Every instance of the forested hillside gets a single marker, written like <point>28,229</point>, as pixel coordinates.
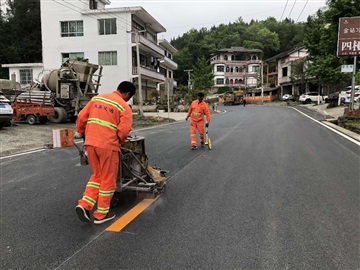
<point>270,36</point>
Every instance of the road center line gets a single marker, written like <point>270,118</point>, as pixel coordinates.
<point>118,225</point>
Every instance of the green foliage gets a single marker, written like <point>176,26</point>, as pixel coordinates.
<point>20,31</point>
<point>202,75</point>
<point>320,40</point>
<point>270,36</point>
<point>224,89</point>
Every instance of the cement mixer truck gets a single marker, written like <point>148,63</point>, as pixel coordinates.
<point>72,87</point>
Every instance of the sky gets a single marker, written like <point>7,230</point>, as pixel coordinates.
<point>179,16</point>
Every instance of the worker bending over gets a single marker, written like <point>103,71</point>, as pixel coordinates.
<point>106,122</point>
<point>197,110</point>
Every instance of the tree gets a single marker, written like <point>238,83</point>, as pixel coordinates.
<point>320,40</point>
<point>203,77</point>
<point>22,32</point>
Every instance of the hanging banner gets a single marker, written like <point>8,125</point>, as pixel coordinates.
<point>349,36</point>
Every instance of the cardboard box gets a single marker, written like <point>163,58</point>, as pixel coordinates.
<point>62,137</point>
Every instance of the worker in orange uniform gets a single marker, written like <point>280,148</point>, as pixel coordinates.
<point>106,122</point>
<point>196,112</point>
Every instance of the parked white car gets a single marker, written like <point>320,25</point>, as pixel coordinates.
<point>6,112</point>
<point>345,95</point>
<point>312,97</point>
<point>287,97</point>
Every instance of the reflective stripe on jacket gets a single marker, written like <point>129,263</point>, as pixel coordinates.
<point>198,110</point>
<point>106,121</point>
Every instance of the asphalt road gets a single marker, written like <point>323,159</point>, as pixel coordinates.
<point>277,191</point>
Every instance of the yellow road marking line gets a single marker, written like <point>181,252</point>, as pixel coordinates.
<point>118,225</point>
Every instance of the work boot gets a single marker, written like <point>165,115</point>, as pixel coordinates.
<point>108,217</point>
<point>193,147</point>
<point>83,214</point>
<point>202,144</point>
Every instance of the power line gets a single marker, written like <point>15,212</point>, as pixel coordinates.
<point>284,10</point>
<point>107,11</point>
<point>302,10</point>
<point>292,8</point>
<point>94,17</point>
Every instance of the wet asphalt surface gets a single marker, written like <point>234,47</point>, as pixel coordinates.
<point>277,191</point>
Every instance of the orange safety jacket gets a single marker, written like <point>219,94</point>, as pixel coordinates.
<point>198,110</point>
<point>106,121</point>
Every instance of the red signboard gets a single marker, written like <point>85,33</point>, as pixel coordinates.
<point>349,36</point>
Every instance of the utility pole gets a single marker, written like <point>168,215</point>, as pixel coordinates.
<point>262,84</point>
<point>189,80</point>
<point>137,39</point>
<point>353,86</point>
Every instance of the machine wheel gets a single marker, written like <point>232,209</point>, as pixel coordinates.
<point>43,120</point>
<point>31,119</point>
<point>209,144</point>
<point>115,199</point>
<point>60,115</point>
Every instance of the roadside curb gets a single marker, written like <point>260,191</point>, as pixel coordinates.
<point>345,131</point>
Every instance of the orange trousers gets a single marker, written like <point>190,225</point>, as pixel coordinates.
<point>199,126</point>
<point>102,183</point>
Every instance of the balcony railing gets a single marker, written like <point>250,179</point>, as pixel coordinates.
<point>168,63</point>
<point>156,76</point>
<point>149,45</point>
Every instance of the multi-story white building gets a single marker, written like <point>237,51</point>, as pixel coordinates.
<point>236,67</point>
<point>108,37</point>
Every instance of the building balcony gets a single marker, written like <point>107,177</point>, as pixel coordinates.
<point>235,62</point>
<point>168,63</point>
<point>284,80</point>
<point>150,74</point>
<point>148,46</point>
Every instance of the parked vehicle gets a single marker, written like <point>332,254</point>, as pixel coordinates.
<point>312,97</point>
<point>287,97</point>
<point>348,96</point>
<point>334,97</point>
<point>6,111</point>
<point>72,87</point>
<point>233,97</point>
<point>32,113</point>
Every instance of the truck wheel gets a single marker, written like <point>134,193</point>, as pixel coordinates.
<point>60,115</point>
<point>31,119</point>
<point>43,120</point>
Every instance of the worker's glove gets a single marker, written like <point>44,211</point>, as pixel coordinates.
<point>78,135</point>
<point>207,125</point>
<point>187,117</point>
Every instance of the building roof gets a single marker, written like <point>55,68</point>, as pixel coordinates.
<point>22,65</point>
<point>283,54</point>
<point>240,49</point>
<point>166,44</point>
<point>140,12</point>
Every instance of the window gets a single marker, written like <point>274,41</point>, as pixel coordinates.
<point>170,74</point>
<point>225,57</point>
<point>138,26</point>
<point>26,76</point>
<point>255,68</point>
<point>93,4</point>
<point>72,29</point>
<point>108,58</point>
<point>66,56</point>
<point>107,26</point>
<point>220,68</point>
<point>284,71</point>
<point>219,81</point>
